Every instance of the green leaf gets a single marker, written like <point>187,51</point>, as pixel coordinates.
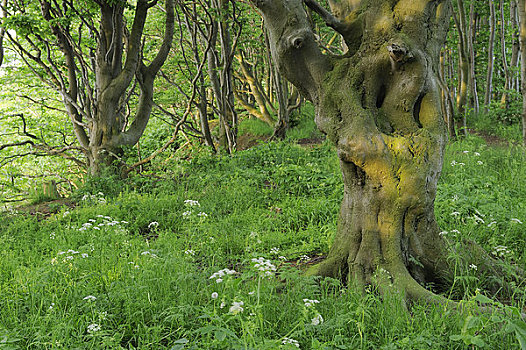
<point>179,344</point>
<point>477,340</point>
<point>220,335</point>
<point>520,332</point>
<point>483,299</point>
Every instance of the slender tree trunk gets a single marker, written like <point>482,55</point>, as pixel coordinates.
<point>473,73</point>
<point>515,49</point>
<point>507,87</point>
<point>463,64</point>
<point>491,58</point>
<point>522,38</point>
<point>447,104</point>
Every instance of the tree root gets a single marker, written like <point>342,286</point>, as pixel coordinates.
<point>396,279</point>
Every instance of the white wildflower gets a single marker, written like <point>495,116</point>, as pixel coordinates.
<point>477,154</point>
<point>54,261</point>
<point>480,162</point>
<point>214,295</point>
<point>317,320</point>
<point>189,252</point>
<point>192,203</point>
<point>202,214</point>
<point>84,255</point>
<point>274,251</point>
<point>51,306</point>
<point>473,267</point>
<point>90,298</point>
<point>52,235</point>
<point>443,233</point>
<point>223,304</point>
<point>291,341</point>
<point>221,273</point>
<point>237,307</point>
<point>187,214</point>
<point>264,266</point>
<point>310,302</point>
<point>455,231</point>
<point>93,328</point>
<point>303,258</point>
<point>465,152</point>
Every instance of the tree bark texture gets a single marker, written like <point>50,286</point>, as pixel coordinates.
<point>380,105</point>
<point>491,57</point>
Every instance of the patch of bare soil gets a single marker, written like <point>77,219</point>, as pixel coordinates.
<point>46,209</point>
<point>491,140</point>
<point>247,141</point>
<point>310,142</point>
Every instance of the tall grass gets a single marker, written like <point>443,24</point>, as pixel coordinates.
<point>151,266</point>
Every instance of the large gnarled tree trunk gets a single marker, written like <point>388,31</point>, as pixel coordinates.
<point>380,105</point>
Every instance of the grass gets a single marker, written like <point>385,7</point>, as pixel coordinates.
<point>131,268</point>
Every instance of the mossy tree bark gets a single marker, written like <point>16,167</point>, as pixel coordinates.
<point>380,105</point>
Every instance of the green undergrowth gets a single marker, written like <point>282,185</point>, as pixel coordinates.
<point>149,263</point>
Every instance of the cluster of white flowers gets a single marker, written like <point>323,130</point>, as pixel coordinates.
<point>149,253</point>
<point>189,252</point>
<point>454,163</point>
<point>52,235</point>
<point>188,214</point>
<point>473,267</point>
<point>264,266</point>
<point>501,251</point>
<point>303,258</point>
<point>291,341</point>
<point>318,319</point>
<point>274,251</point>
<point>93,328</point>
<point>236,308</point>
<point>68,255</point>
<point>107,221</point>
<point>192,203</point>
<point>218,276</point>
<point>94,198</point>
<point>310,302</point>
